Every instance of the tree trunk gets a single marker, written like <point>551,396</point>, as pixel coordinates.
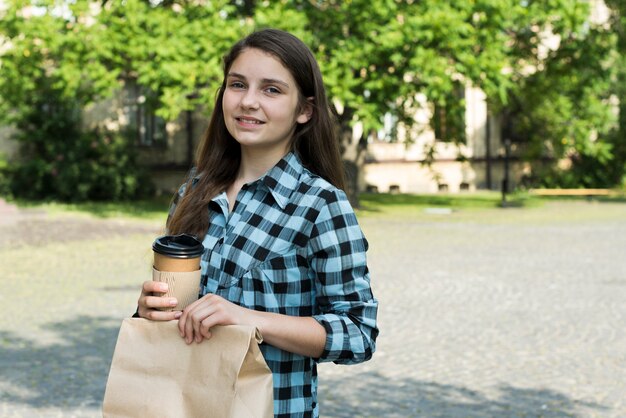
<point>353,150</point>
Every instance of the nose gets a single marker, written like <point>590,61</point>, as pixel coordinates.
<point>249,100</point>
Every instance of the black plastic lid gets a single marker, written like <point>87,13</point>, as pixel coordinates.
<point>178,246</point>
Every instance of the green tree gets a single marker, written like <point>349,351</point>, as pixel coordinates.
<point>617,170</point>
<point>49,53</point>
<point>60,56</point>
<point>376,56</point>
<point>174,49</point>
<point>560,104</point>
<point>50,69</point>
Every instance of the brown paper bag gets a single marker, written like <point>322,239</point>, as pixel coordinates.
<point>155,374</point>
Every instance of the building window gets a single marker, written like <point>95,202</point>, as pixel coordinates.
<point>143,123</point>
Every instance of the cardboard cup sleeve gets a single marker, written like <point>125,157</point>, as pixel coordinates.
<point>184,286</point>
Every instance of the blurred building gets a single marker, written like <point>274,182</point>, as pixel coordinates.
<point>430,157</point>
<point>421,161</point>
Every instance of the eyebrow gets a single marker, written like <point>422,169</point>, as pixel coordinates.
<point>264,80</point>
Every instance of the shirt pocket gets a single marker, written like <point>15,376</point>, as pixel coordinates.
<point>281,284</point>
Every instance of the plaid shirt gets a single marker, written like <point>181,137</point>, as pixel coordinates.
<point>292,246</point>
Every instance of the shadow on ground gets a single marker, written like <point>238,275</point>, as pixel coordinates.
<point>372,395</point>
<point>68,374</point>
<point>73,373</point>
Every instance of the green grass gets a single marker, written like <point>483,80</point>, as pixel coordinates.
<point>154,209</point>
<point>371,204</point>
<point>397,204</point>
<point>614,198</point>
<point>486,208</point>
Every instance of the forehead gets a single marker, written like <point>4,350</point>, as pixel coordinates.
<point>255,63</point>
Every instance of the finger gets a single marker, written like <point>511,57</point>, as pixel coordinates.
<point>185,323</point>
<point>184,318</point>
<point>181,324</point>
<point>155,315</point>
<point>194,321</point>
<point>157,302</point>
<point>196,317</point>
<point>188,327</point>
<point>204,318</point>
<point>151,286</point>
<point>205,327</point>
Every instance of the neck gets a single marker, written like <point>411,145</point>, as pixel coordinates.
<point>255,163</point>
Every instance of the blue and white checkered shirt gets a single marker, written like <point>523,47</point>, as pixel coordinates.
<point>292,246</point>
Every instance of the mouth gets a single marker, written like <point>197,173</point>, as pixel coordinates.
<point>248,120</point>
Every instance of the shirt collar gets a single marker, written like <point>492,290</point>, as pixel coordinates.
<point>283,179</point>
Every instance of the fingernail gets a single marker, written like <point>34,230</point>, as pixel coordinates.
<point>177,315</point>
<point>173,302</point>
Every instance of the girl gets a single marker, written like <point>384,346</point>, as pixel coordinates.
<point>283,250</point>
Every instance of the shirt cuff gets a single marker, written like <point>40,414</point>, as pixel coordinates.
<point>345,342</point>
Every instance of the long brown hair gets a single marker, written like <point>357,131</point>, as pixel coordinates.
<point>219,154</point>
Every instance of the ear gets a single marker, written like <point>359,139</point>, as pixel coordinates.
<point>306,112</point>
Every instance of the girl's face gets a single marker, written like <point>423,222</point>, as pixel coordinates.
<point>261,103</point>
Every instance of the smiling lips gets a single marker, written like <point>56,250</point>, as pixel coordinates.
<point>249,120</point>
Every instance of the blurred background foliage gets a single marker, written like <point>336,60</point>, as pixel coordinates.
<point>377,56</point>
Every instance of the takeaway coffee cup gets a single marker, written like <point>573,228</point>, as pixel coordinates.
<point>177,263</point>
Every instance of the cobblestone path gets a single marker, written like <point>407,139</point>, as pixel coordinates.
<point>506,313</point>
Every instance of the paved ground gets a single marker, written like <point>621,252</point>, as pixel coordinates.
<point>510,313</point>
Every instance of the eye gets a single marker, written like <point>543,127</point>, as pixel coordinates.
<point>272,90</point>
<point>238,85</point>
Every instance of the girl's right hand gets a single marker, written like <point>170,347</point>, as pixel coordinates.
<point>151,301</point>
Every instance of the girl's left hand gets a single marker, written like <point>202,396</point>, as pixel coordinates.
<point>198,318</point>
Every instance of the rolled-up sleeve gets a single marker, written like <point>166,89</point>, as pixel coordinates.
<point>347,306</point>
